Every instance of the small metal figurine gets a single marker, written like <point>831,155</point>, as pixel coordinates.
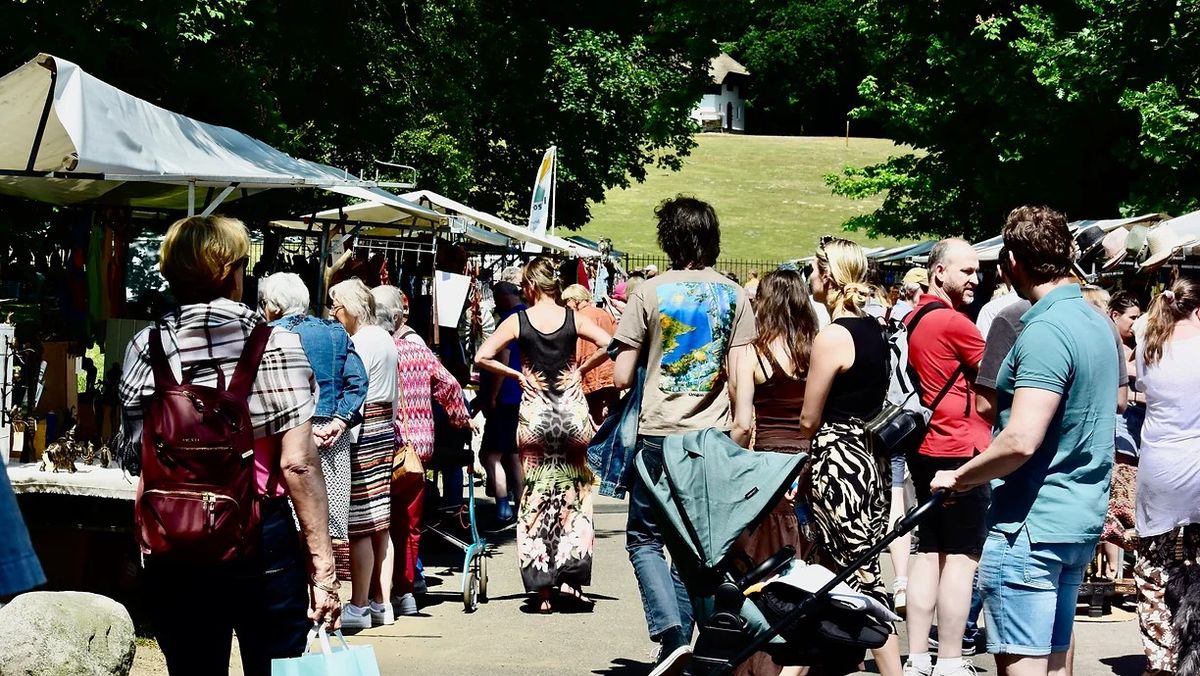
<point>89,454</point>
<point>62,453</point>
<point>104,456</point>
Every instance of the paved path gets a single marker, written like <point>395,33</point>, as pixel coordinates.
<point>503,638</point>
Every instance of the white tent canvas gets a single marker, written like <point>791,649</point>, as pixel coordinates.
<point>498,224</point>
<point>70,138</point>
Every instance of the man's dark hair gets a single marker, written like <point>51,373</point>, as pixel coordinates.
<point>688,232</point>
<point>1040,240</point>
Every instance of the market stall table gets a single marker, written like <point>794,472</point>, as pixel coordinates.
<point>81,525</point>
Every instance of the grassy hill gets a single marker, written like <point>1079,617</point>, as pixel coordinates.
<point>768,191</point>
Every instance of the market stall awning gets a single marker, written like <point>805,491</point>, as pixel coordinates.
<point>989,249</point>
<point>382,217</point>
<point>902,253</point>
<point>492,222</point>
<point>70,138</point>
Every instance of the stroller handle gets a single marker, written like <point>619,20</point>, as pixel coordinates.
<point>916,514</point>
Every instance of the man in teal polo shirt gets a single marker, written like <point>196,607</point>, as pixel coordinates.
<point>1052,456</point>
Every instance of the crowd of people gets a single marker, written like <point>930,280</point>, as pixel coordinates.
<point>1033,403</point>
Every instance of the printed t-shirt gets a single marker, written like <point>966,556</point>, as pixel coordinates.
<point>944,341</point>
<point>1060,494</point>
<point>685,322</point>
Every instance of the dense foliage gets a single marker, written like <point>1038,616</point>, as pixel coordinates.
<point>468,91</point>
<point>806,61</point>
<point>1087,105</point>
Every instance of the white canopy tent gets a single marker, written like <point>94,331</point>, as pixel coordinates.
<point>989,249</point>
<point>381,218</point>
<point>70,138</point>
<point>484,219</point>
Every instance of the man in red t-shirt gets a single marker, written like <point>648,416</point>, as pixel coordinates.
<point>944,349</point>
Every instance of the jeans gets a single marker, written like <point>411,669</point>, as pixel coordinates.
<point>1031,589</point>
<point>664,597</point>
<point>195,610</point>
<point>976,607</point>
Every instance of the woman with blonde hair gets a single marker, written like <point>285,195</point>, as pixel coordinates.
<point>555,531</point>
<point>598,387</point>
<point>371,455</point>
<point>271,597</point>
<point>1168,482</point>
<point>847,383</point>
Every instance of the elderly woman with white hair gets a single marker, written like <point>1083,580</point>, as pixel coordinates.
<point>342,380</point>
<point>422,380</point>
<point>371,555</point>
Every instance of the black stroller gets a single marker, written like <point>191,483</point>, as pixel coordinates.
<point>709,490</point>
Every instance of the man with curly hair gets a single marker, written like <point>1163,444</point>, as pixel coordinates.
<point>689,325</point>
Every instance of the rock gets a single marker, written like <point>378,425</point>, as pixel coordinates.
<point>65,633</point>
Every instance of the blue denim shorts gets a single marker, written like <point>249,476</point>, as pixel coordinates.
<point>1029,592</point>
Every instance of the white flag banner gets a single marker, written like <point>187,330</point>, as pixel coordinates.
<point>540,206</point>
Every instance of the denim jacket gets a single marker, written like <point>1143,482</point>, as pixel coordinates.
<point>339,372</point>
<point>610,452</point>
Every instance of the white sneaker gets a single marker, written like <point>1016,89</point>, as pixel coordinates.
<point>900,597</point>
<point>354,617</point>
<point>967,668</point>
<point>382,614</point>
<point>911,670</point>
<point>405,604</point>
<point>673,663</point>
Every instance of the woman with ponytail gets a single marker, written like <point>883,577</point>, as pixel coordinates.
<point>1168,482</point>
<point>847,382</point>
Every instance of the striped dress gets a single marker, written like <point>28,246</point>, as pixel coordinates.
<point>375,446</point>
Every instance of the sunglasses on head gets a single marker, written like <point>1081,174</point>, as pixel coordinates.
<point>830,239</point>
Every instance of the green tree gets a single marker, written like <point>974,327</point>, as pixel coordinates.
<point>1087,105</point>
<point>471,92</point>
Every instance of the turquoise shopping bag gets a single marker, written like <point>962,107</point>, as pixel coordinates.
<point>343,660</point>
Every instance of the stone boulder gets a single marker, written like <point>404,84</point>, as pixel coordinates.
<point>65,633</point>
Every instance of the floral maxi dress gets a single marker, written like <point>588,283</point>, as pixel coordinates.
<point>555,531</point>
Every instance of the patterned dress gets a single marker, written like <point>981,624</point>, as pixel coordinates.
<point>555,531</point>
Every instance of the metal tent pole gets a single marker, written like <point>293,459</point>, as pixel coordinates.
<point>319,299</point>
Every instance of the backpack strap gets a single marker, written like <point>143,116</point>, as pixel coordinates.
<point>247,367</point>
<point>163,378</point>
<point>912,324</point>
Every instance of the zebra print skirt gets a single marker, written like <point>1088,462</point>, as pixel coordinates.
<point>850,502</point>
<point>371,471</point>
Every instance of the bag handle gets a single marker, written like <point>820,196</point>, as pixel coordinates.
<point>318,632</point>
<point>247,366</point>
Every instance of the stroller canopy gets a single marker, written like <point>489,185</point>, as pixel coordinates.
<point>711,489</point>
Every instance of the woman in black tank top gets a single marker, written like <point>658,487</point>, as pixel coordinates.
<point>555,530</point>
<point>847,382</point>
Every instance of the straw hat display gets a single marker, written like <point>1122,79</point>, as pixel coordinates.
<point>1113,245</point>
<point>1089,241</point>
<point>1163,242</point>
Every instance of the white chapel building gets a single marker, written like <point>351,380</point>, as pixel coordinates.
<point>722,108</point>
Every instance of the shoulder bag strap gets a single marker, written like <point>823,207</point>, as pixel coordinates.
<point>247,367</point>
